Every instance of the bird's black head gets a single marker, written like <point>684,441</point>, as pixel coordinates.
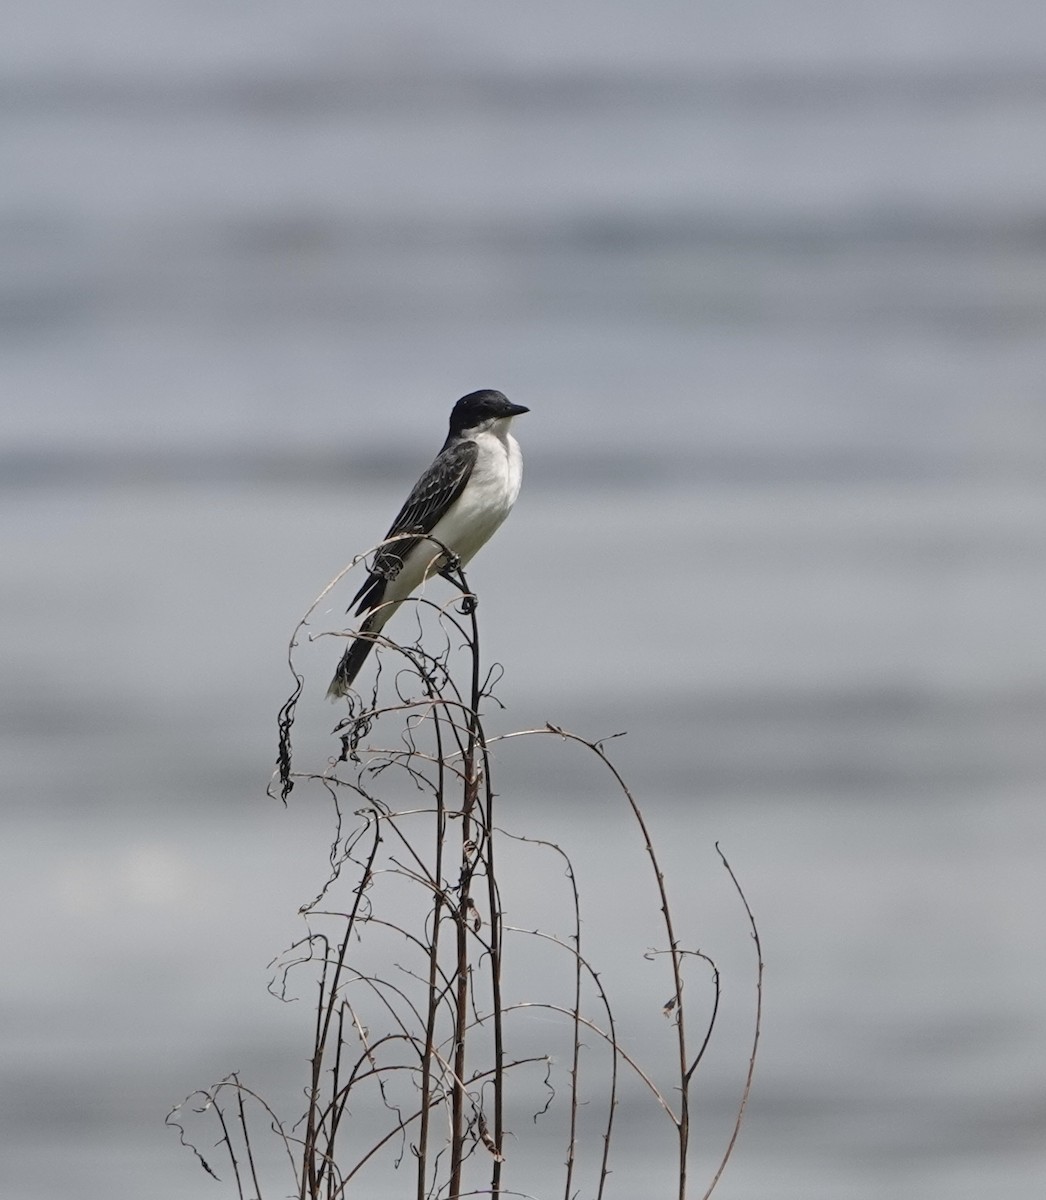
<point>479,410</point>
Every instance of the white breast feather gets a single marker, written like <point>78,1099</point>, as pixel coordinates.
<point>488,497</point>
<point>471,520</point>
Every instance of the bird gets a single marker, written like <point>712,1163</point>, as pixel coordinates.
<point>456,505</point>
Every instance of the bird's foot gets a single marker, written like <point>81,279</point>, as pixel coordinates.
<point>451,572</point>
<point>451,567</point>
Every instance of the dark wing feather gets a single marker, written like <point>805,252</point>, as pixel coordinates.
<point>432,495</point>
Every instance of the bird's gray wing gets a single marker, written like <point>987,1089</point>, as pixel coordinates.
<point>430,498</point>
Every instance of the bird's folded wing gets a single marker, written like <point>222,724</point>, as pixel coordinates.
<point>432,495</point>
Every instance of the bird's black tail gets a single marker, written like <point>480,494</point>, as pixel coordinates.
<point>353,659</point>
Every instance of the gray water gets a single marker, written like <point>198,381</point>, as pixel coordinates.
<point>772,279</point>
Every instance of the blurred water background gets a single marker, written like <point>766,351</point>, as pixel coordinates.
<point>772,279</point>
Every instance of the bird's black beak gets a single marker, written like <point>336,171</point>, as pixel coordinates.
<point>515,410</point>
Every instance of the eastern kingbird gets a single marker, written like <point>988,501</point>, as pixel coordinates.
<point>460,500</point>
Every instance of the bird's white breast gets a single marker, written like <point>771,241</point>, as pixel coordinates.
<point>488,496</point>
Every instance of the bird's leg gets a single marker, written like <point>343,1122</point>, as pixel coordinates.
<point>451,563</point>
<point>451,571</point>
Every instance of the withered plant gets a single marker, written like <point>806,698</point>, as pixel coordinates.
<point>431,1057</point>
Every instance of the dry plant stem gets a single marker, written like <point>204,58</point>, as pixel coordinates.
<point>286,715</point>
<point>494,949</point>
<point>310,1178</point>
<point>548,1006</point>
<point>405,1122</point>
<point>427,1008</point>
<point>683,1119</point>
<point>469,854</point>
<point>580,966</point>
<point>232,1151</point>
<point>285,719</point>
<point>461,981</point>
<point>212,1100</point>
<point>755,1035</point>
<point>434,971</point>
<point>247,1143</point>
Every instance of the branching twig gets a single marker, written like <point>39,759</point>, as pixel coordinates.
<point>424,1042</point>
